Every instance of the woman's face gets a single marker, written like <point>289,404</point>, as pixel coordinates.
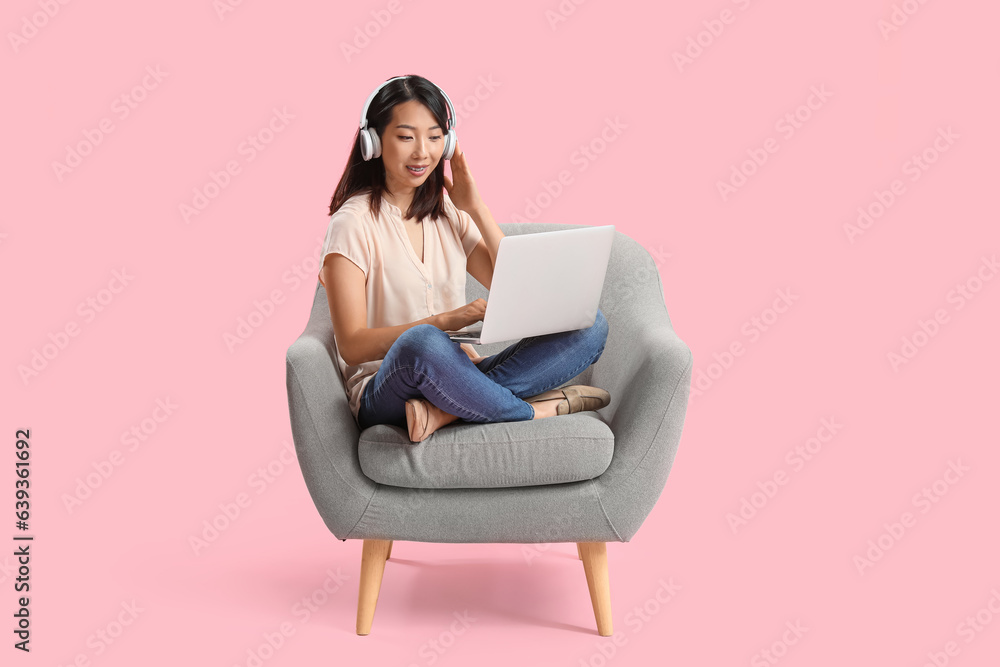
<point>413,138</point>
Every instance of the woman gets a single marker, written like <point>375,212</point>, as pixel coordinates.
<point>401,237</point>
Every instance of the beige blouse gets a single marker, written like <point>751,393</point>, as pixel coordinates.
<point>399,288</point>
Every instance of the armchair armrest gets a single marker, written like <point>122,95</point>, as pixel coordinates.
<point>325,433</point>
<point>647,369</point>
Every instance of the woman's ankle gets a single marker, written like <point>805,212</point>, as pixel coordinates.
<point>438,416</point>
<point>544,409</point>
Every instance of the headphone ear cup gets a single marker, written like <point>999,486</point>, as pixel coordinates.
<point>450,141</point>
<point>371,147</point>
<point>365,143</point>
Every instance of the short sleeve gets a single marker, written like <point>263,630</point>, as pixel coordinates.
<point>469,231</point>
<point>347,236</point>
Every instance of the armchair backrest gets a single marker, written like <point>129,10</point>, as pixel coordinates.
<point>632,282</point>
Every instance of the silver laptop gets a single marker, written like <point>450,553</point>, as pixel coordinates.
<point>543,283</point>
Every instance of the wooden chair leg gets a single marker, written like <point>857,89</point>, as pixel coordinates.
<point>595,566</point>
<point>579,552</point>
<point>373,556</point>
<point>389,551</point>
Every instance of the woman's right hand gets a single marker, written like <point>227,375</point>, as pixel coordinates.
<point>457,319</point>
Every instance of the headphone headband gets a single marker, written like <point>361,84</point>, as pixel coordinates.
<point>451,107</point>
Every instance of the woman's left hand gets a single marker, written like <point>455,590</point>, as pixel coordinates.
<point>463,191</point>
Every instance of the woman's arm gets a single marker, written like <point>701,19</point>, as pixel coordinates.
<point>349,312</point>
<point>490,231</point>
<point>465,196</point>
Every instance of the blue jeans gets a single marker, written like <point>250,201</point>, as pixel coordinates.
<point>425,363</point>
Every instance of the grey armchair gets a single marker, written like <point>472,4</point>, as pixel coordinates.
<point>590,477</point>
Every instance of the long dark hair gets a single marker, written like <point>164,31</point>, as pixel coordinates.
<point>361,176</point>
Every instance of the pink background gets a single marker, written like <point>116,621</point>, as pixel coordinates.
<point>553,88</point>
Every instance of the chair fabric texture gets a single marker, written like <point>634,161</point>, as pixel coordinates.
<point>467,455</point>
<point>586,477</point>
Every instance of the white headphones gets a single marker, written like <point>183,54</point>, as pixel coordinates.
<point>371,147</point>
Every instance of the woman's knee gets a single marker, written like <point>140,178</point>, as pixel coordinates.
<point>421,339</point>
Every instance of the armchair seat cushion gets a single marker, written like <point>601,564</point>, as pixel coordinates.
<point>464,455</point>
